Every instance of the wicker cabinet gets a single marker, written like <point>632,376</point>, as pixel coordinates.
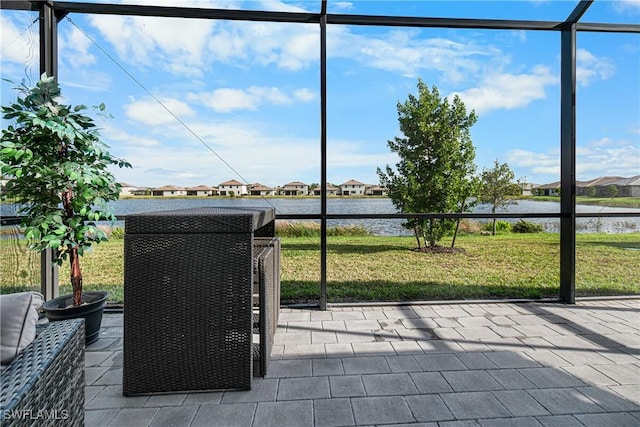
<point>190,310</point>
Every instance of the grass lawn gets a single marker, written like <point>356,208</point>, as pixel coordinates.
<point>371,268</point>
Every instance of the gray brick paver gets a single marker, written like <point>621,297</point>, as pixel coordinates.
<point>381,410</point>
<point>174,416</point>
<point>510,422</point>
<point>583,372</point>
<point>559,401</point>
<point>550,378</point>
<point>365,365</point>
<point>473,405</point>
<point>303,388</point>
<point>439,362</point>
<point>235,414</point>
<point>100,417</point>
<point>520,403</point>
<point>325,367</point>
<point>284,414</point>
<point>620,419</point>
<point>429,408</point>
<point>430,382</point>
<point>611,402</point>
<point>388,385</point>
<point>559,421</point>
<point>471,381</point>
<point>346,386</point>
<point>333,412</point>
<point>134,417</point>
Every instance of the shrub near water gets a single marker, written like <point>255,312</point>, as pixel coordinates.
<point>312,229</point>
<point>523,226</point>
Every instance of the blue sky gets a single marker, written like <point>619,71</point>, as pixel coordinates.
<point>247,95</point>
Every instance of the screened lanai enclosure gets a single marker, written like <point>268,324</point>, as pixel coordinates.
<point>283,94</point>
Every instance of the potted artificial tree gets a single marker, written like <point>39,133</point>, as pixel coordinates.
<point>58,175</point>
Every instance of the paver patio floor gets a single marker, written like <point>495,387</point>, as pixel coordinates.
<point>485,364</point>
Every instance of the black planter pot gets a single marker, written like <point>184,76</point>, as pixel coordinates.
<point>91,310</point>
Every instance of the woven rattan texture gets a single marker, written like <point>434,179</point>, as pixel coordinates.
<point>44,384</point>
<point>187,318</point>
<point>264,277</point>
<point>201,220</point>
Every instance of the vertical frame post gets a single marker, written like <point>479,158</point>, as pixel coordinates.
<point>568,165</point>
<point>323,157</point>
<point>48,64</point>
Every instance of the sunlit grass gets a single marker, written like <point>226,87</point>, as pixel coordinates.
<point>370,268</point>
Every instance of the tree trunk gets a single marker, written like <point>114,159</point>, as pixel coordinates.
<point>76,276</point>
<point>493,228</point>
<point>415,231</point>
<point>455,233</point>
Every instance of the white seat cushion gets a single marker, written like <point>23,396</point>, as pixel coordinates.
<point>18,318</point>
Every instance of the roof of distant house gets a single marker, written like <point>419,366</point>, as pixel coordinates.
<point>199,188</point>
<point>168,188</point>
<point>352,182</point>
<point>231,182</point>
<point>259,187</point>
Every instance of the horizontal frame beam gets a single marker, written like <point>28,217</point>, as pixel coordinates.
<point>313,18</point>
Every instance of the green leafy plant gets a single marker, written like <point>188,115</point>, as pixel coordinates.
<point>499,226</point>
<point>58,173</point>
<point>436,161</point>
<point>523,226</point>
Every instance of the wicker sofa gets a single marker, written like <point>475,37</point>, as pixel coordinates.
<point>44,384</point>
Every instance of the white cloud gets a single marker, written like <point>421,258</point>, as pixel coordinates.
<point>117,134</point>
<point>409,53</point>
<point>508,91</point>
<point>598,158</point>
<point>590,67</point>
<point>341,5</point>
<point>304,94</point>
<point>626,6</point>
<point>288,46</point>
<point>225,100</point>
<point>173,44</point>
<point>149,112</point>
<point>74,47</point>
<point>19,45</point>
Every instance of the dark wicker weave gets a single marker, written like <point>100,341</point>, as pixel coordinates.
<point>264,321</point>
<point>44,384</point>
<point>188,299</point>
<point>267,289</point>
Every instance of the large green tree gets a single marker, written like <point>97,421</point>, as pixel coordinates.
<point>436,166</point>
<point>498,188</point>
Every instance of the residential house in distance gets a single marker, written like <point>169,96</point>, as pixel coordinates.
<point>628,187</point>
<point>331,190</point>
<point>527,188</point>
<point>258,189</point>
<point>142,191</point>
<point>604,186</point>
<point>233,188</point>
<point>598,187</point>
<point>375,190</point>
<point>127,189</point>
<point>352,188</point>
<point>552,189</point>
<point>168,191</point>
<point>295,188</point>
<point>200,190</point>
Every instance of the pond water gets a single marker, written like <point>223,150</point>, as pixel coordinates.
<point>388,227</point>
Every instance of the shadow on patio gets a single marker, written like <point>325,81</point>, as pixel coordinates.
<point>481,364</point>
